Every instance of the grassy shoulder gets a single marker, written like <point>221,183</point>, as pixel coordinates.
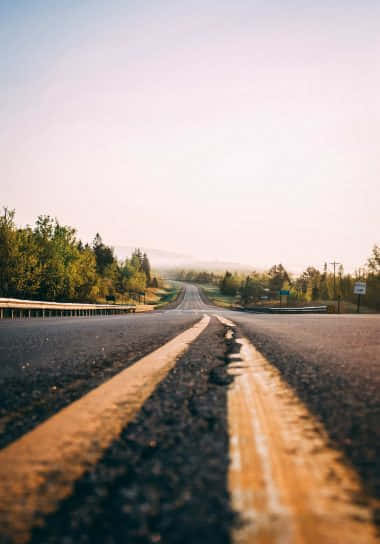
<point>165,295</point>
<point>213,293</point>
<point>155,297</point>
<point>345,307</point>
<point>216,297</point>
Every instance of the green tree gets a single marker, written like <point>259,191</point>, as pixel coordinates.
<point>372,297</point>
<point>251,290</point>
<point>323,283</point>
<point>229,284</point>
<point>277,276</point>
<point>137,259</point>
<point>9,255</point>
<point>103,254</point>
<point>145,266</point>
<point>374,261</point>
<point>311,279</point>
<point>48,262</point>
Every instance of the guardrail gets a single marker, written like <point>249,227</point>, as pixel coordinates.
<point>18,308</point>
<point>288,310</point>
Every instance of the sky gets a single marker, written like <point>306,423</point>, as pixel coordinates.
<point>244,131</point>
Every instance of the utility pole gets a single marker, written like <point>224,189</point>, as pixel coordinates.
<point>334,265</point>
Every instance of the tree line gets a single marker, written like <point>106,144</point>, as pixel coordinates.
<point>311,285</point>
<point>48,262</point>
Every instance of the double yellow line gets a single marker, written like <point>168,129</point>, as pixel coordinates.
<point>285,481</point>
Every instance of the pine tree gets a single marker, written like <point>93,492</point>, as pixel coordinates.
<point>103,254</point>
<point>146,268</point>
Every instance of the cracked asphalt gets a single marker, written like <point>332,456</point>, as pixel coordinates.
<point>165,479</point>
<point>333,364</point>
<point>46,365</point>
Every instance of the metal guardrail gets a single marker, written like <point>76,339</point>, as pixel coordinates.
<point>14,307</point>
<point>289,310</point>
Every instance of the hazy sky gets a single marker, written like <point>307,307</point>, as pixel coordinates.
<point>246,131</point>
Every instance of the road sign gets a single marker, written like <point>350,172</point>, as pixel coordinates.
<point>360,288</point>
<point>284,292</point>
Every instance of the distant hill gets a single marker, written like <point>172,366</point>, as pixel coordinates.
<point>167,260</point>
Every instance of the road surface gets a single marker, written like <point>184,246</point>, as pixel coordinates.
<point>164,476</point>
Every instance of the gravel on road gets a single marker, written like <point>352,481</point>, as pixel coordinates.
<point>333,364</point>
<point>46,365</point>
<point>165,479</point>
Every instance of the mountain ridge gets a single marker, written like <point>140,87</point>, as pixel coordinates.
<point>163,259</point>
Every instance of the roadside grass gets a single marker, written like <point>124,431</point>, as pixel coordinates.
<point>155,297</point>
<point>346,307</point>
<point>214,295</point>
<point>166,295</point>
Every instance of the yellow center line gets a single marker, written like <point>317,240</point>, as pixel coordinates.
<point>38,470</point>
<point>225,321</point>
<point>286,482</point>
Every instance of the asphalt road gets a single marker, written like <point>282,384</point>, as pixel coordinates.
<point>46,364</point>
<point>169,467</point>
<point>333,363</point>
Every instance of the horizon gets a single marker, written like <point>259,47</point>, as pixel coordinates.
<point>188,261</point>
<point>229,132</point>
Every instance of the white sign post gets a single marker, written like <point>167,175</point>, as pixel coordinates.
<point>360,288</point>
